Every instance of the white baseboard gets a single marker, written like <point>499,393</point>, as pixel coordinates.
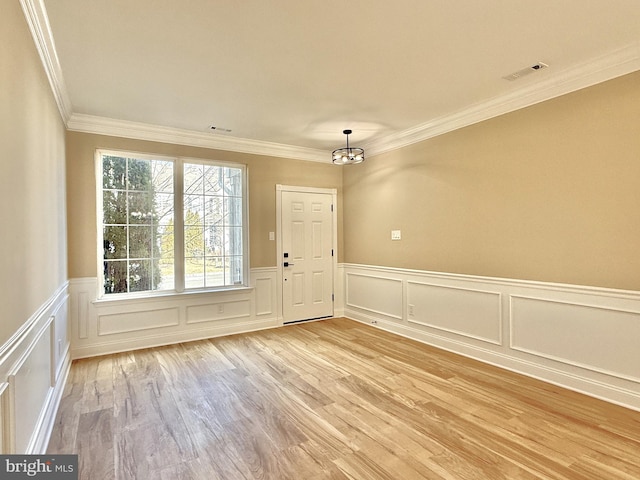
<point>159,339</point>
<point>580,338</point>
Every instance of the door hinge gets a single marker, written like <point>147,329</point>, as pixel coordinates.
<point>332,252</point>
<point>333,298</point>
<point>332,207</point>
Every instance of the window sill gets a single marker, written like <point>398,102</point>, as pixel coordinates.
<point>121,299</point>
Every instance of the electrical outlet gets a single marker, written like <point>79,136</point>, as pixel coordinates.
<point>220,308</point>
<point>411,310</point>
<point>396,235</point>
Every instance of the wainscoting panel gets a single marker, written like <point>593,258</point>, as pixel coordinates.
<point>4,400</point>
<point>215,312</point>
<point>374,294</point>
<point>264,302</point>
<point>263,281</point>
<point>34,365</point>
<point>581,338</point>
<point>29,387</point>
<point>115,325</point>
<point>151,319</point>
<point>471,313</point>
<point>59,338</point>
<point>598,338</point>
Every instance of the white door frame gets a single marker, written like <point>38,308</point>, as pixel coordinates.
<point>279,253</point>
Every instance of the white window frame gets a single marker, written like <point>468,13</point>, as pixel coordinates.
<point>178,220</point>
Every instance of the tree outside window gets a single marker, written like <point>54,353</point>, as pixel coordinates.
<point>139,225</point>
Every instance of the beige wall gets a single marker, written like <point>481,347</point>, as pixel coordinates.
<point>264,173</point>
<point>548,193</point>
<point>32,180</point>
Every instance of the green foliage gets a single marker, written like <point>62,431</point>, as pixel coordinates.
<point>131,239</point>
<point>193,235</point>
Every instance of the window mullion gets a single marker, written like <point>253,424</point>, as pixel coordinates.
<point>178,230</point>
<point>128,227</point>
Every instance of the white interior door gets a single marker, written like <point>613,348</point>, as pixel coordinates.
<point>307,255</point>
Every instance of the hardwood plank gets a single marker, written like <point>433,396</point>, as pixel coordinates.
<point>333,399</point>
<point>190,470</point>
<point>95,434</point>
<point>65,428</point>
<point>98,393</point>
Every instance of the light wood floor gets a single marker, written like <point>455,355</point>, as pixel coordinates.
<point>331,400</point>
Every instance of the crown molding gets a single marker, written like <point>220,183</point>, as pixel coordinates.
<point>142,131</point>
<point>606,67</point>
<point>36,16</point>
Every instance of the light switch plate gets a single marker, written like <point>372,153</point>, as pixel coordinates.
<point>272,235</point>
<point>396,235</point>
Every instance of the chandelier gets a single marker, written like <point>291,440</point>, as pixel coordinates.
<point>347,155</point>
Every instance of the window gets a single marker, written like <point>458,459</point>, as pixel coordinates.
<point>171,224</point>
<point>212,225</point>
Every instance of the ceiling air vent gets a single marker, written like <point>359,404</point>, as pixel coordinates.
<point>525,71</point>
<point>215,128</point>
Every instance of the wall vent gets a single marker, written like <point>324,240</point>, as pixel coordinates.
<point>526,71</point>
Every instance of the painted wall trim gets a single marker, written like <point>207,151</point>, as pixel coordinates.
<point>551,286</point>
<point>601,69</point>
<point>166,319</point>
<point>34,365</point>
<point>155,133</point>
<point>577,337</point>
<point>36,16</point>
<point>47,421</point>
<point>606,67</point>
<point>11,344</point>
<point>577,77</point>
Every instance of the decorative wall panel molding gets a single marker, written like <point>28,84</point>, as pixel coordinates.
<point>108,326</point>
<point>34,365</point>
<point>339,291</point>
<point>219,311</point>
<point>29,387</point>
<point>4,400</point>
<point>595,337</point>
<point>59,338</point>
<point>578,337</point>
<point>264,293</point>
<point>375,294</point>
<point>134,321</point>
<point>469,312</point>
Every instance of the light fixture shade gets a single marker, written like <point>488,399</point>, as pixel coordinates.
<point>347,155</point>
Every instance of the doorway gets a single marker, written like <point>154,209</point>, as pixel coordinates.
<point>306,250</point>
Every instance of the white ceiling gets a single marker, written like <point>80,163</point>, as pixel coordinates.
<point>298,72</point>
